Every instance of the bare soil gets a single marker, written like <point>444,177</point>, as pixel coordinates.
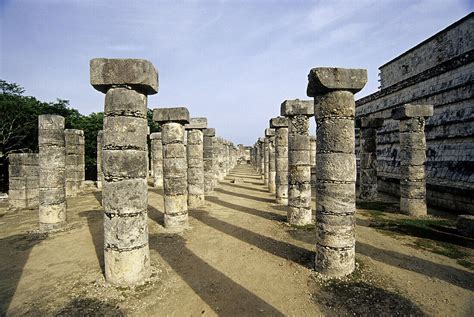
<point>238,258</point>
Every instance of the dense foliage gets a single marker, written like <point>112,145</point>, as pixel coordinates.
<point>19,124</point>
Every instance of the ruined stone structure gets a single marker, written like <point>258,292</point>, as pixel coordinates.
<point>298,113</point>
<point>438,71</point>
<point>280,124</point>
<point>100,175</point>
<point>195,157</point>
<point>261,158</point>
<point>270,135</point>
<point>333,91</point>
<point>126,84</point>
<point>412,157</point>
<point>313,160</point>
<point>208,159</point>
<point>75,161</point>
<point>52,176</point>
<point>156,159</point>
<point>368,156</point>
<point>23,180</point>
<point>266,160</point>
<point>175,165</point>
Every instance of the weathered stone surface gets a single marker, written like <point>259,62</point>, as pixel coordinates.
<point>335,231</point>
<point>297,107</point>
<point>157,159</point>
<point>412,111</point>
<point>338,167</point>
<point>125,232</point>
<point>178,115</point>
<point>128,196</point>
<point>281,161</point>
<point>465,225</point>
<point>23,187</point>
<point>195,170</point>
<point>335,198</point>
<point>100,144</point>
<point>75,161</point>
<point>269,132</point>
<point>172,132</point>
<point>326,79</point>
<point>336,135</point>
<point>335,262</point>
<point>138,74</point>
<point>196,123</point>
<point>123,102</point>
<point>127,267</point>
<point>209,132</point>
<point>336,104</point>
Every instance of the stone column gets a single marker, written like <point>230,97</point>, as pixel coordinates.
<point>23,180</point>
<point>175,176</point>
<point>100,175</point>
<point>266,160</point>
<point>126,84</point>
<point>412,157</point>
<point>368,156</point>
<point>270,137</point>
<point>195,156</point>
<point>75,161</point>
<point>156,159</point>
<point>52,164</point>
<point>208,158</point>
<point>261,142</point>
<point>280,124</point>
<point>333,91</point>
<point>298,113</point>
<point>313,160</point>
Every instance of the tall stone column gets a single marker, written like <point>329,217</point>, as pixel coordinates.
<point>208,158</point>
<point>175,176</point>
<point>368,156</point>
<point>100,175</point>
<point>126,84</point>
<point>298,113</point>
<point>280,124</point>
<point>412,157</point>
<point>195,156</point>
<point>333,91</point>
<point>313,160</point>
<point>270,136</point>
<point>266,160</point>
<point>23,180</point>
<point>75,161</point>
<point>156,159</point>
<point>261,142</point>
<point>52,177</point>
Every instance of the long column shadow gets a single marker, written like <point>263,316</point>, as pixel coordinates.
<point>221,293</point>
<point>446,273</point>
<point>262,199</point>
<point>156,215</point>
<point>14,253</point>
<point>256,212</point>
<point>247,188</point>
<point>282,249</point>
<point>95,224</point>
<point>244,175</point>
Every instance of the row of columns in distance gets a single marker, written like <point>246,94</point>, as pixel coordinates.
<point>335,172</point>
<point>190,168</point>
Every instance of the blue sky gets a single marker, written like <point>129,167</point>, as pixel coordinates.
<point>233,62</point>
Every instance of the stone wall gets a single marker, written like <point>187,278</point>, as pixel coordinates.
<point>446,84</point>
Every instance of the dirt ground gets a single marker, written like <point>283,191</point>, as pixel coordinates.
<point>238,258</point>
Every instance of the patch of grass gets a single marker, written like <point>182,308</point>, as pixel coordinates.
<point>466,264</point>
<point>308,227</point>
<point>446,249</point>
<point>376,206</point>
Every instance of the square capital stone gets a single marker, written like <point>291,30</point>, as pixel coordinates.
<point>408,111</point>
<point>297,107</point>
<point>178,115</point>
<point>155,135</point>
<point>139,74</point>
<point>210,132</point>
<point>269,132</point>
<point>322,80</point>
<point>196,124</point>
<point>261,139</point>
<point>279,122</point>
<point>369,122</point>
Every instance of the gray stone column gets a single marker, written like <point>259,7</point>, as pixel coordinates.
<point>412,157</point>
<point>126,84</point>
<point>156,159</point>
<point>23,175</point>
<point>75,161</point>
<point>100,175</point>
<point>270,139</point>
<point>266,160</point>
<point>52,177</point>
<point>280,124</point>
<point>333,91</point>
<point>175,176</point>
<point>208,158</point>
<point>298,113</point>
<point>368,156</point>
<point>313,160</point>
<point>195,156</point>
